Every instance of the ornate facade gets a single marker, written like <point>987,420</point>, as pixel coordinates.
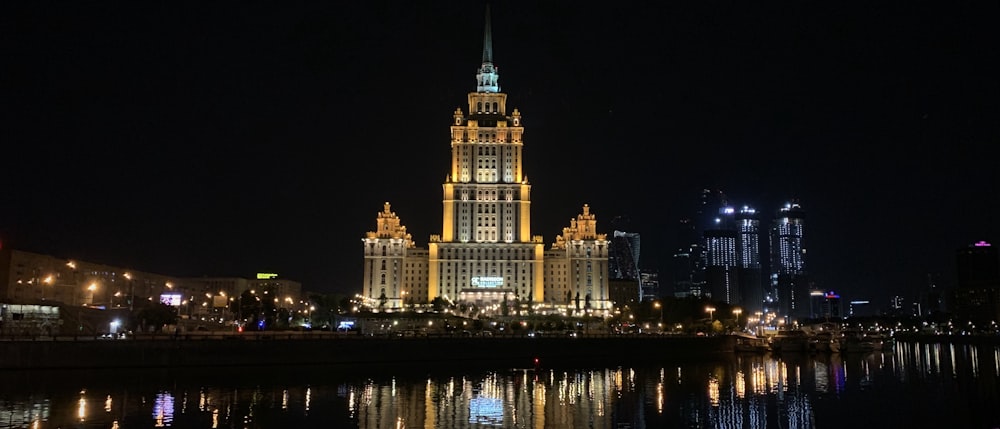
<point>485,256</point>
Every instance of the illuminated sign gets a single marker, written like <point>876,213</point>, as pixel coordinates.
<point>266,276</point>
<point>487,281</point>
<point>982,244</point>
<point>171,299</point>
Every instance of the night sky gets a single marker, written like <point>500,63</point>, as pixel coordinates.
<point>229,138</point>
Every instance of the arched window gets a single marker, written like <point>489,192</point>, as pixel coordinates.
<point>479,106</point>
<point>495,107</point>
<point>383,264</point>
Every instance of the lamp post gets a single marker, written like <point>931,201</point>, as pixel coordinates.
<point>92,288</point>
<point>131,291</point>
<point>47,281</point>
<point>736,312</point>
<point>659,306</point>
<point>711,313</point>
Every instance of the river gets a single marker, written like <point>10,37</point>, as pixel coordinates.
<point>912,385</point>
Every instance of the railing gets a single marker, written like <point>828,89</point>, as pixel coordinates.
<point>320,335</point>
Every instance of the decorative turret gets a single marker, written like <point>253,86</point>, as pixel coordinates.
<point>584,227</point>
<point>389,226</point>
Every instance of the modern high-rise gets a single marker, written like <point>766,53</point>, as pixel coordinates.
<point>691,258</point>
<point>623,256</point>
<point>485,256</point>
<point>722,257</point>
<point>788,266</point>
<point>749,270</point>
<point>977,295</point>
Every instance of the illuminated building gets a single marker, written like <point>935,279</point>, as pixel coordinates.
<point>788,267</point>
<point>720,247</point>
<point>485,256</point>
<point>825,305</point>
<point>748,272</point>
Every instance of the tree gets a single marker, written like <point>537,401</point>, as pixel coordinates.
<point>157,315</point>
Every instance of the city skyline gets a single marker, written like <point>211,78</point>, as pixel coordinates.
<point>216,140</point>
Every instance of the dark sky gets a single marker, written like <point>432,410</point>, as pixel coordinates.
<point>226,138</point>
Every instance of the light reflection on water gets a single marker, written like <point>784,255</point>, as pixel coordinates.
<point>914,384</point>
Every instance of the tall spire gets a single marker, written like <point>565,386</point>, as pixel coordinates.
<point>487,40</point>
<point>488,78</point>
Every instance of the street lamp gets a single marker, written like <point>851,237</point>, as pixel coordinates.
<point>657,305</point>
<point>711,313</point>
<point>92,288</point>
<point>47,281</point>
<point>131,290</point>
<point>736,312</point>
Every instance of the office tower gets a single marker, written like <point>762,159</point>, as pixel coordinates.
<point>748,272</point>
<point>649,284</point>
<point>825,305</point>
<point>788,265</point>
<point>690,260</point>
<point>623,251</point>
<point>485,255</point>
<point>722,257</point>
<point>977,295</point>
<point>687,274</point>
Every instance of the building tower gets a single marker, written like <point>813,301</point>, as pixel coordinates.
<point>390,260</point>
<point>788,276</point>
<point>749,274</point>
<point>722,257</point>
<point>691,258</point>
<point>485,251</point>
<point>977,295</point>
<point>485,257</point>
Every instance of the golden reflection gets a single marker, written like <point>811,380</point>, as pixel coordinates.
<point>215,418</point>
<point>660,398</point>
<point>284,399</point>
<point>538,406</point>
<point>616,376</point>
<point>81,411</point>
<point>107,404</point>
<point>308,397</point>
<point>713,391</point>
<point>741,385</point>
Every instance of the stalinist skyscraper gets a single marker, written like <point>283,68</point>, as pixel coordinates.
<point>485,256</point>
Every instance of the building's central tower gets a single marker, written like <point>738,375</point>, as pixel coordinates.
<point>485,252</point>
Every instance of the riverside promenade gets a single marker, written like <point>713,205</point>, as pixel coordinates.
<point>311,348</point>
